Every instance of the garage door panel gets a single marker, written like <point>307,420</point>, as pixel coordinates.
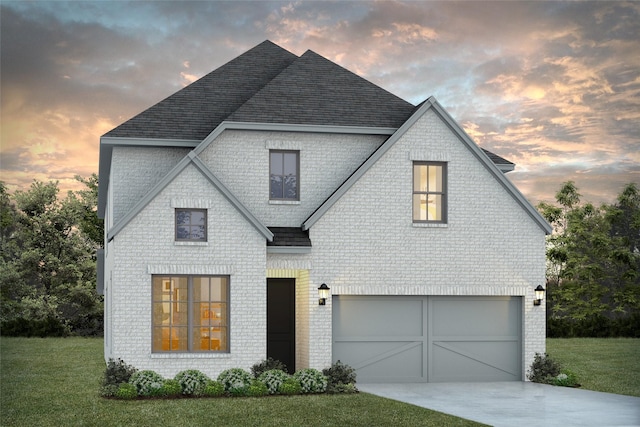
<point>474,361</point>
<point>477,316</point>
<point>375,316</point>
<point>422,338</point>
<point>471,364</point>
<point>385,361</point>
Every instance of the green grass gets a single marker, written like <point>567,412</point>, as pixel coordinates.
<point>611,365</point>
<point>55,382</point>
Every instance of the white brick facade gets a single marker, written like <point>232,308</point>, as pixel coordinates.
<point>365,244</point>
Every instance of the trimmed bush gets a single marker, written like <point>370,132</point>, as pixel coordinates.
<point>214,389</point>
<point>273,379</point>
<point>170,388</point>
<point>257,389</point>
<point>116,373</point>
<point>192,382</point>
<point>235,379</point>
<point>267,365</point>
<point>290,386</point>
<point>126,391</point>
<point>147,383</point>
<point>339,376</point>
<point>543,369</point>
<point>311,380</point>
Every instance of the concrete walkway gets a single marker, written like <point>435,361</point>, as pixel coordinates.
<point>520,404</point>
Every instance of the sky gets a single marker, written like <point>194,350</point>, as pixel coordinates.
<point>552,86</point>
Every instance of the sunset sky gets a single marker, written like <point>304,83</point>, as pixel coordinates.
<point>552,86</point>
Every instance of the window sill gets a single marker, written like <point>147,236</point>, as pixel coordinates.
<point>191,243</point>
<point>284,202</point>
<point>430,225</point>
<point>190,355</point>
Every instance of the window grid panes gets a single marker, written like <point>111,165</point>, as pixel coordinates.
<point>191,225</point>
<point>429,192</point>
<point>284,167</point>
<point>190,314</point>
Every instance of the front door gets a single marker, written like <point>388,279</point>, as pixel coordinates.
<point>281,321</point>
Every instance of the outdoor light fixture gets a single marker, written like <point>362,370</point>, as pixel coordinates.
<point>539,295</point>
<point>323,291</point>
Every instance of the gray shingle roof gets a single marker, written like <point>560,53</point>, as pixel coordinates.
<point>497,159</point>
<point>289,236</point>
<point>316,91</point>
<point>194,111</point>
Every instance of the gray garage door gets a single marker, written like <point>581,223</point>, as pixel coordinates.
<point>428,339</point>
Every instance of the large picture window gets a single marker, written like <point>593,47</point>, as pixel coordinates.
<point>284,171</point>
<point>190,314</point>
<point>429,192</point>
<point>191,225</point>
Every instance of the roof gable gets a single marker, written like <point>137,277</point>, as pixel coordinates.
<point>316,91</point>
<point>190,159</point>
<point>479,153</point>
<point>194,111</point>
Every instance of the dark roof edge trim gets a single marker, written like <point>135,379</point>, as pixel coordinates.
<point>149,142</point>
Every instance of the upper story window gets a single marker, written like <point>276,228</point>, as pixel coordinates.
<point>191,225</point>
<point>284,172</point>
<point>430,192</point>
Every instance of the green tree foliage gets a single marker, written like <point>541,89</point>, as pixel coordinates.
<point>48,264</point>
<point>593,260</point>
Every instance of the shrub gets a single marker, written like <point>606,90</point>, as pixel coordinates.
<point>126,391</point>
<point>543,369</point>
<point>170,388</point>
<point>338,376</point>
<point>235,379</point>
<point>311,380</point>
<point>290,386</point>
<point>566,379</point>
<point>257,389</point>
<point>116,373</point>
<point>192,382</point>
<point>273,379</point>
<point>213,389</point>
<point>267,365</point>
<point>147,383</point>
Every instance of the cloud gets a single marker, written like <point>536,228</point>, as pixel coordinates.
<point>552,86</point>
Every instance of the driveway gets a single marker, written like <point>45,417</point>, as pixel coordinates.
<point>521,404</point>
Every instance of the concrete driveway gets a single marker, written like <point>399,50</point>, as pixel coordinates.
<point>520,404</point>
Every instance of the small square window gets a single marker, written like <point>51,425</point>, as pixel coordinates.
<point>284,172</point>
<point>191,225</point>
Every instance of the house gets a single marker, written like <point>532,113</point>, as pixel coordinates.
<point>230,203</point>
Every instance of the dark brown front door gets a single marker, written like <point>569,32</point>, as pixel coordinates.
<point>281,324</point>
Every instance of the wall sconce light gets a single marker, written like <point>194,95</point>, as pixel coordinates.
<point>323,291</point>
<point>539,295</point>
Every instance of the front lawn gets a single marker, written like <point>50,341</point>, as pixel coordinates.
<point>55,382</point>
<point>611,365</point>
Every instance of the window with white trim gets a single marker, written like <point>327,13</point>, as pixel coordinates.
<point>430,192</point>
<point>284,172</point>
<point>190,314</point>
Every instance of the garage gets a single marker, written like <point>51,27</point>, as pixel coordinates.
<point>429,338</point>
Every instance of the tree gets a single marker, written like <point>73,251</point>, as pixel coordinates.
<point>47,273</point>
<point>593,262</point>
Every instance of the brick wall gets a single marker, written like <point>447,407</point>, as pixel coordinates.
<point>365,244</point>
